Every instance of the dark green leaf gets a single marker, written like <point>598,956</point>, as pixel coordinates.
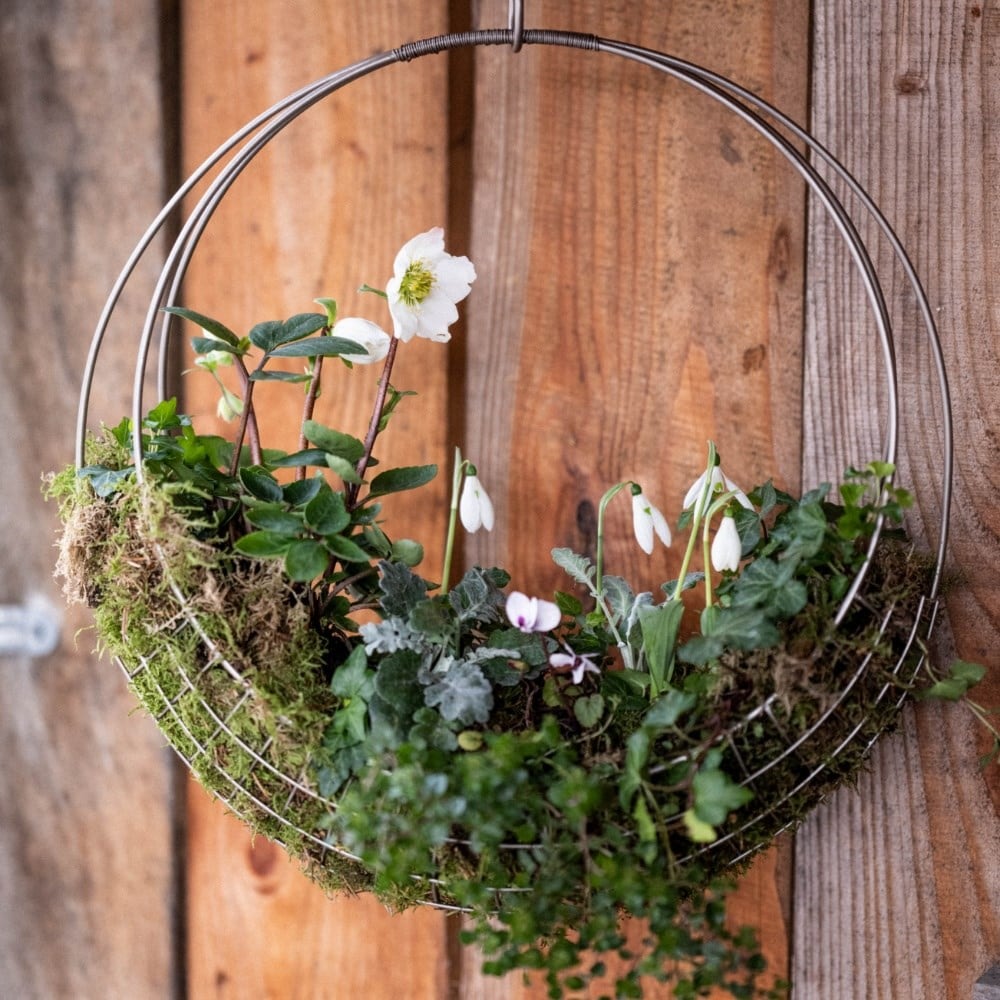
<point>301,491</point>
<point>305,560</point>
<point>335,442</point>
<point>276,376</point>
<point>405,478</point>
<point>301,325</point>
<point>212,326</point>
<point>343,468</point>
<point>262,544</point>
<point>346,550</point>
<point>203,345</point>
<point>261,484</point>
<point>326,513</point>
<point>308,456</point>
<point>272,517</point>
<point>318,347</point>
<point>265,335</point>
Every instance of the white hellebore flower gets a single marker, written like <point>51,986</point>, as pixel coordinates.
<point>720,482</point>
<point>475,507</point>
<point>531,614</point>
<point>580,664</point>
<point>727,549</point>
<point>647,519</point>
<point>369,335</point>
<point>425,285</point>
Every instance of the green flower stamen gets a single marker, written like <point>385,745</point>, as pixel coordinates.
<point>416,284</point>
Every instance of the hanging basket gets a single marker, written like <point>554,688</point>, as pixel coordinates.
<point>247,707</point>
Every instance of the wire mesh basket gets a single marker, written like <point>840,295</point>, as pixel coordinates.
<point>212,690</point>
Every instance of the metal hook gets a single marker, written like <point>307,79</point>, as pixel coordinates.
<point>515,21</point>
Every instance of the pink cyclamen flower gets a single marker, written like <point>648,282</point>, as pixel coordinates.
<point>579,663</point>
<point>727,549</point>
<point>531,614</point>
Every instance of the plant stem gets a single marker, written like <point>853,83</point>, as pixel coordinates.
<point>373,425</point>
<point>248,422</point>
<point>307,408</point>
<point>699,507</point>
<point>457,477</point>
<point>599,555</point>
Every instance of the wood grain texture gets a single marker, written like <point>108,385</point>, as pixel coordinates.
<point>87,873</point>
<point>322,211</point>
<point>640,258</point>
<point>898,884</point>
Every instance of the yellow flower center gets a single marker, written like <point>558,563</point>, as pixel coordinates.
<point>416,284</point>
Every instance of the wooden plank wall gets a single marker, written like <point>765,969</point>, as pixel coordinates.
<point>898,885</point>
<point>87,862</point>
<point>642,263</point>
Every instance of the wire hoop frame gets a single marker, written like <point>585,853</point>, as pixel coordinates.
<point>817,167</point>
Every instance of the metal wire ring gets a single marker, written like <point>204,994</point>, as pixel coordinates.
<point>776,128</point>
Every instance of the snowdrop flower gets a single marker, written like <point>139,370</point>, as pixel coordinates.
<point>369,335</point>
<point>475,507</point>
<point>727,549</point>
<point>229,406</point>
<point>425,285</point>
<point>720,482</point>
<point>531,614</point>
<point>647,519</point>
<point>580,664</point>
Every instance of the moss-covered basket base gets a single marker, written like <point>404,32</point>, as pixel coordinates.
<point>221,653</point>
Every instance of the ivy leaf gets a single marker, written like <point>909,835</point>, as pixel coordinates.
<point>463,694</point>
<point>716,795</point>
<point>588,710</point>
<point>105,482</point>
<point>769,584</point>
<point>352,679</point>
<point>404,478</point>
<point>697,829</point>
<point>962,676</point>
<point>666,710</point>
